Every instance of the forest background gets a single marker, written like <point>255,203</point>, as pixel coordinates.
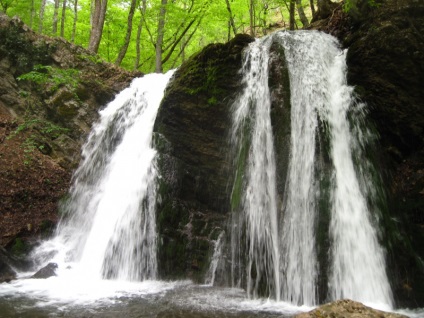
<point>157,35</point>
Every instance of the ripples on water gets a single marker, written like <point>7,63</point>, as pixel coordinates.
<point>52,298</point>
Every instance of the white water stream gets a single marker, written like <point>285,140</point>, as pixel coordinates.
<point>252,121</point>
<point>359,269</point>
<point>286,254</point>
<point>110,231</point>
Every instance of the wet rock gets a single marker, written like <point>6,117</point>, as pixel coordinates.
<point>347,309</point>
<point>47,271</point>
<point>6,271</point>
<point>191,135</point>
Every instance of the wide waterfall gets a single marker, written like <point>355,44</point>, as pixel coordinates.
<point>109,228</point>
<point>283,243</point>
<point>277,231</point>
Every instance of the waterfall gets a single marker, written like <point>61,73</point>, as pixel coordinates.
<point>358,261</point>
<point>217,253</point>
<point>252,124</point>
<point>279,240</point>
<point>109,227</point>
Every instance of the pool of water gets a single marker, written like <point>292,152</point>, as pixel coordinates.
<point>56,298</point>
<point>68,296</point>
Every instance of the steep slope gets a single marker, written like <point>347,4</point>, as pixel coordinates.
<point>50,92</point>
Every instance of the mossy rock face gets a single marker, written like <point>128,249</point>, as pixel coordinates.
<point>191,133</point>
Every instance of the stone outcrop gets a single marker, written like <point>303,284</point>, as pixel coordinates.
<point>43,124</point>
<point>191,135</point>
<point>347,309</point>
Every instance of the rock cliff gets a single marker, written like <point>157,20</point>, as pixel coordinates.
<point>191,136</point>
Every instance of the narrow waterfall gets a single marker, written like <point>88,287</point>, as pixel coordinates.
<point>252,135</point>
<point>359,270</point>
<point>109,228</point>
<point>279,239</point>
<point>307,62</point>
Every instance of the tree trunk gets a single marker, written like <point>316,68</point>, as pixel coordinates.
<point>74,25</point>
<point>62,21</point>
<point>98,20</point>
<point>124,47</point>
<point>161,33</point>
<point>5,4</point>
<point>40,24</point>
<point>233,26</point>
<point>291,10</point>
<point>312,7</point>
<point>301,13</point>
<point>31,19</point>
<point>252,17</point>
<point>55,15</point>
<point>140,27</point>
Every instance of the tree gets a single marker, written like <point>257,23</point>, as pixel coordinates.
<point>301,13</point>
<point>124,47</point>
<point>138,37</point>
<point>32,13</point>
<point>167,31</point>
<point>252,13</point>
<point>231,18</point>
<point>62,22</point>
<point>55,15</point>
<point>161,33</point>
<point>74,24</point>
<point>292,18</point>
<point>311,2</point>
<point>97,23</point>
<point>5,4</point>
<point>40,23</point>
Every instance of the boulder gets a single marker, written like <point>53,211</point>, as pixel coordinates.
<point>47,271</point>
<point>347,309</point>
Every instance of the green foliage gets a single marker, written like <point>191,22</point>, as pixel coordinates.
<point>92,58</point>
<point>52,77</point>
<point>210,25</point>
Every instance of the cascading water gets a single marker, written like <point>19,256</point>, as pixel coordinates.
<point>109,230</point>
<point>358,261</point>
<point>280,240</point>
<point>252,134</point>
